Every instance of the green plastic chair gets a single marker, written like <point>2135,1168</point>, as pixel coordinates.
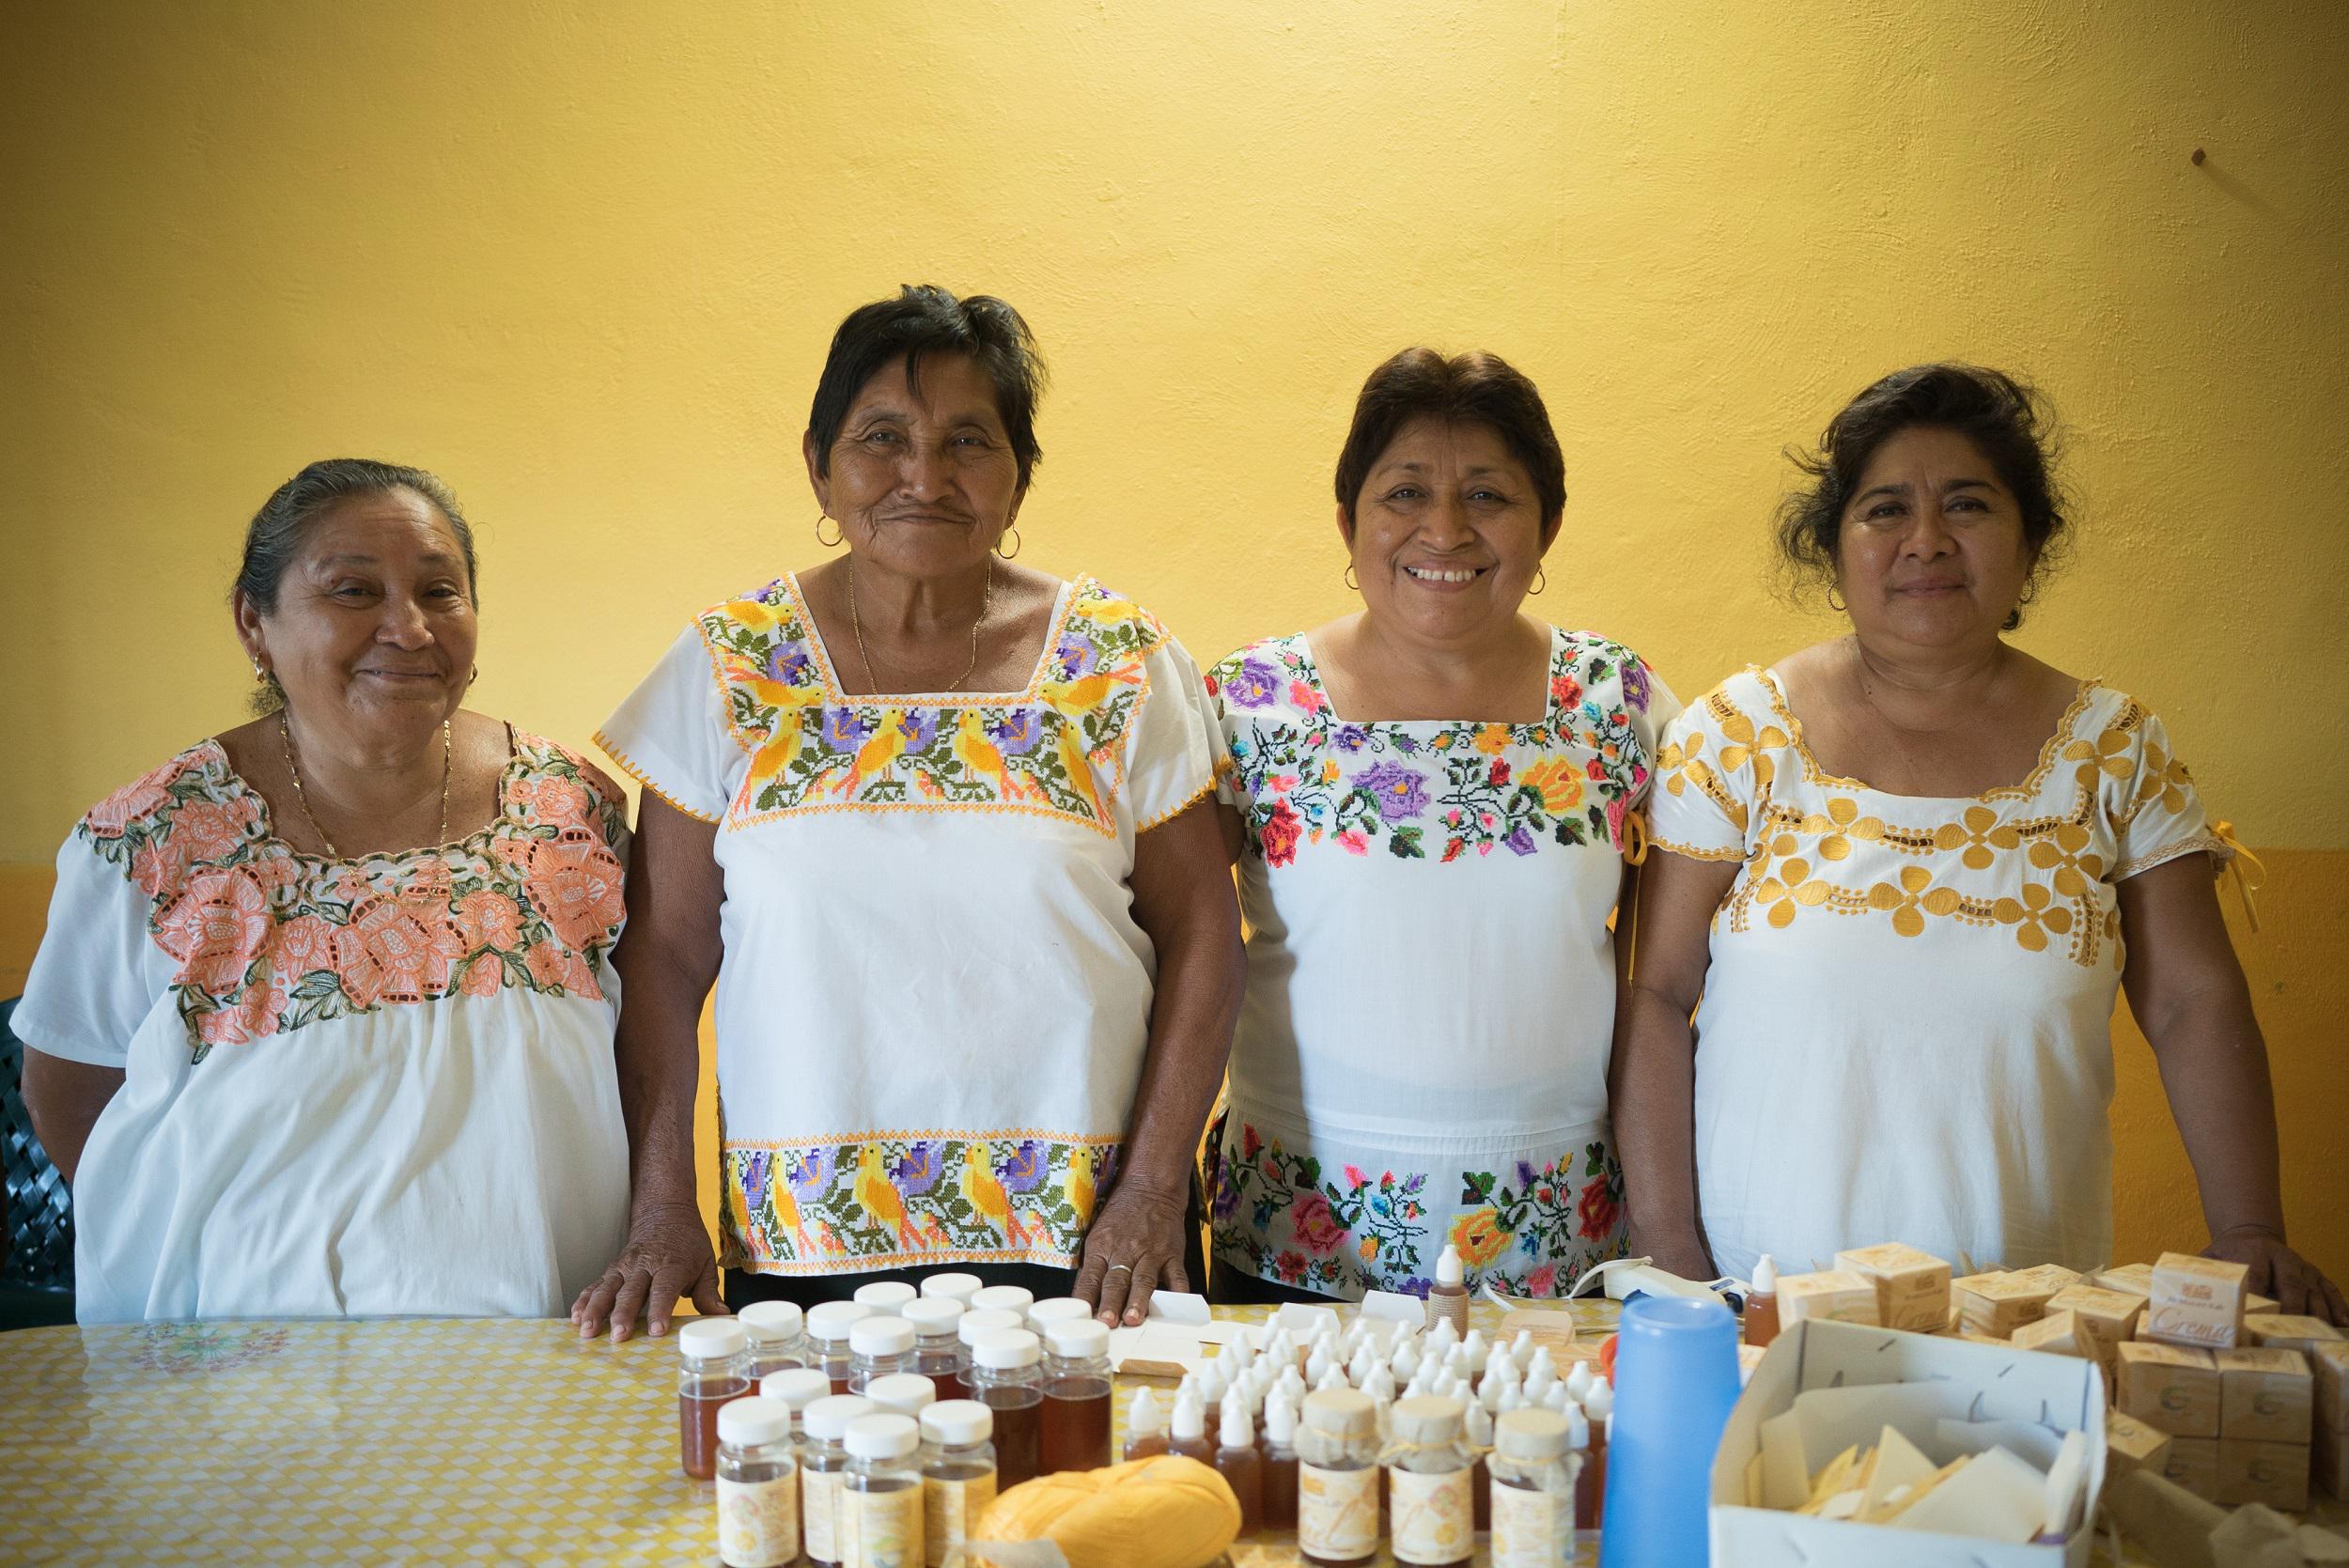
<point>37,1270</point>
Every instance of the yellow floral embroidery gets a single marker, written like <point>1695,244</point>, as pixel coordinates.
<point>1981,833</point>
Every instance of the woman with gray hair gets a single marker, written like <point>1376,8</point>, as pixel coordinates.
<point>323,1023</point>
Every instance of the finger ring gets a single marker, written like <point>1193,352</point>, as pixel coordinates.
<point>1115,1266</point>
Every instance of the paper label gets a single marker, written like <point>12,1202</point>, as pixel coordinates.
<point>881,1530</point>
<point>1532,1529</point>
<point>820,1514</point>
<point>1434,1518</point>
<point>758,1522</point>
<point>949,1510</point>
<point>1337,1512</point>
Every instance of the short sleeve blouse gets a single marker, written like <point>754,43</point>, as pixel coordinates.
<point>1905,1026</point>
<point>933,999</point>
<point>290,1028</point>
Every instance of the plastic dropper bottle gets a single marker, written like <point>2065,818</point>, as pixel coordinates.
<point>1146,1427</point>
<point>1599,1410</point>
<point>1761,1304</point>
<point>1448,1297</point>
<point>1578,1445</point>
<point>1280,1463</point>
<point>1477,1431</point>
<point>1239,1463</point>
<point>1187,1434</point>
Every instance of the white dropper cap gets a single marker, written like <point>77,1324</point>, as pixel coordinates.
<point>1765,1275</point>
<point>1404,1361</point>
<point>1280,1419</point>
<point>1601,1403</point>
<point>1511,1399</point>
<point>1541,1366</point>
<point>1579,1379</point>
<point>957,1422</point>
<point>1479,1429</point>
<point>1292,1383</point>
<point>1240,1354</point>
<point>711,1338</point>
<point>1380,1383</point>
<point>1498,1364</point>
<point>1317,1366</point>
<point>1190,1419</point>
<point>1450,1270</point>
<point>1238,1431</point>
<point>1420,1385</point>
<point>1578,1428</point>
<point>1331,1381</point>
<point>1358,1371</point>
<point>746,1423</point>
<point>771,1322</point>
<point>798,1387</point>
<point>1143,1417</point>
<point>883,1437</point>
<point>1210,1382</point>
<point>1556,1398</point>
<point>1521,1349</point>
<point>1490,1391</point>
<point>1475,1347</point>
<point>1443,1336</point>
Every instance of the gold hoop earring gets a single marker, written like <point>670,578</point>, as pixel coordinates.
<point>1834,603</point>
<point>1541,581</point>
<point>260,675</point>
<point>1015,542</point>
<point>833,543</point>
<point>476,675</point>
<point>1349,578</point>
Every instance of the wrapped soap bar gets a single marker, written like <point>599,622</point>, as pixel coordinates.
<point>2197,1301</point>
<point>1833,1292</point>
<point>2275,1474</point>
<point>2168,1386</point>
<point>1912,1287</point>
<point>2057,1334</point>
<point>2330,1365</point>
<point>1998,1304</point>
<point>2264,1396</point>
<point>2193,1464</point>
<point>2107,1316</point>
<point>2132,1445</point>
<point>2289,1331</point>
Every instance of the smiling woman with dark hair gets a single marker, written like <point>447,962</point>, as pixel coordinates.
<point>936,827</point>
<point>322,1025</point>
<point>1901,876</point>
<point>1429,802</point>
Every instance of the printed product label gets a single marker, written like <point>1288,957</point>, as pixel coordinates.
<point>820,1514</point>
<point>1434,1521</point>
<point>758,1522</point>
<point>1337,1512</point>
<point>1532,1529</point>
<point>884,1529</point>
<point>949,1510</point>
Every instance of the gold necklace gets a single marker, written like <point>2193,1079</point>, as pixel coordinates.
<point>987,603</point>
<point>302,797</point>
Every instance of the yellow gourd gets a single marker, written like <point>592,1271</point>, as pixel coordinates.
<point>1163,1512</point>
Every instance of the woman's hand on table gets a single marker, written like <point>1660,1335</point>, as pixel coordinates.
<point>667,1256</point>
<point>1684,1255</point>
<point>2298,1285</point>
<point>1134,1247</point>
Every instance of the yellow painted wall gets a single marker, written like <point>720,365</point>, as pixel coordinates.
<point>584,260</point>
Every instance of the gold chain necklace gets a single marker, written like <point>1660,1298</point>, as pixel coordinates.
<point>986,603</point>
<point>302,797</point>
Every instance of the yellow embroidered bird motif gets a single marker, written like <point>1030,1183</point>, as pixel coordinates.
<point>887,744</point>
<point>1073,760</point>
<point>978,755</point>
<point>1080,1163</point>
<point>986,1194</point>
<point>879,1197</point>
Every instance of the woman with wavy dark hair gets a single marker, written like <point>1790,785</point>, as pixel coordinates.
<point>1900,877</point>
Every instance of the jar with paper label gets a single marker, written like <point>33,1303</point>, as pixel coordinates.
<point>1428,1474</point>
<point>1337,1479</point>
<point>880,1497</point>
<point>759,1486</point>
<point>957,1473</point>
<point>823,1464</point>
<point>778,1337</point>
<point>1534,1471</point>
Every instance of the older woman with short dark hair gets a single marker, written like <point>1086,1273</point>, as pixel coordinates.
<point>1900,877</point>
<point>936,826</point>
<point>322,1024</point>
<point>1429,801</point>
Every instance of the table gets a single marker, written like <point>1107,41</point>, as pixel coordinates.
<point>420,1441</point>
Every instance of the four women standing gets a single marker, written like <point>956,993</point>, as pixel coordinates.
<point>937,829</point>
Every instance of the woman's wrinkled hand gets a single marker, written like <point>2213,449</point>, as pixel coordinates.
<point>1683,1255</point>
<point>2298,1285</point>
<point>667,1256</point>
<point>1134,1247</point>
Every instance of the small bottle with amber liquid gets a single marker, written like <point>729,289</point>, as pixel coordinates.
<point>938,1349</point>
<point>1007,1376</point>
<point>1146,1427</point>
<point>1761,1304</point>
<point>713,1367</point>
<point>1280,1463</point>
<point>1239,1463</point>
<point>1477,1431</point>
<point>1448,1297</point>
<point>1077,1388</point>
<point>1599,1410</point>
<point>1186,1433</point>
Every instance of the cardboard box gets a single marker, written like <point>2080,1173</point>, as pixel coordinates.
<point>2106,1315</point>
<point>2257,1303</point>
<point>2133,1445</point>
<point>1834,1294</point>
<point>2288,1331</point>
<point>1912,1287</point>
<point>2329,1462</point>
<point>2330,1365</point>
<point>2275,1474</point>
<point>2193,1464</point>
<point>2131,1278</point>
<point>2167,1386</point>
<point>1976,1382</point>
<point>2057,1334</point>
<point>2052,1275</point>
<point>1998,1304</point>
<point>2197,1301</point>
<point>2264,1396</point>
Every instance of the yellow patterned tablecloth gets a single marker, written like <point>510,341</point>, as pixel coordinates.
<point>417,1442</point>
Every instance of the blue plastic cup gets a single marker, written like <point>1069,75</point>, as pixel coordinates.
<point>1675,1379</point>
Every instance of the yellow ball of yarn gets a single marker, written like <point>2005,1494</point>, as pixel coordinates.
<point>1163,1512</point>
